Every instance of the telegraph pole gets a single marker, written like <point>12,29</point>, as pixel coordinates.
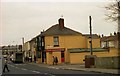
<point>23,49</point>
<point>118,5</point>
<point>90,18</point>
<point>22,43</point>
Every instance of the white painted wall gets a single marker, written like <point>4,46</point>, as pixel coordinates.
<point>103,44</point>
<point>111,44</point>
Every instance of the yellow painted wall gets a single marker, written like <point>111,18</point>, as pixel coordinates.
<point>95,43</point>
<point>48,42</point>
<point>39,60</point>
<point>66,42</point>
<point>67,56</point>
<point>77,58</point>
<point>73,41</point>
<point>58,55</point>
<point>112,52</point>
<point>49,57</point>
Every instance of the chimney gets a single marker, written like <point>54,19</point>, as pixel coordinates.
<point>61,23</point>
<point>42,32</point>
<point>115,33</point>
<point>102,35</point>
<point>110,34</point>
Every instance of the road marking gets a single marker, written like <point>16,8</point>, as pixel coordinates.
<point>53,67</point>
<point>23,69</point>
<point>19,64</point>
<point>16,67</point>
<point>56,68</point>
<point>35,71</point>
<point>51,75</point>
<point>11,65</point>
<point>45,73</point>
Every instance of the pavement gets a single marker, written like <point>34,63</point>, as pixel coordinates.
<point>79,67</point>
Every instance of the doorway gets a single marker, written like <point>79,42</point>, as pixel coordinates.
<point>62,57</point>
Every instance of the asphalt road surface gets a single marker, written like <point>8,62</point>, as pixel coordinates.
<point>35,70</point>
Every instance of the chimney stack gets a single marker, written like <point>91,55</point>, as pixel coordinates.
<point>61,23</point>
<point>102,35</point>
<point>115,33</point>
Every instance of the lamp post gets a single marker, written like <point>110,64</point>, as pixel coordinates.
<point>90,18</point>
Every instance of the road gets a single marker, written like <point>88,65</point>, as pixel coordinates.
<point>33,70</point>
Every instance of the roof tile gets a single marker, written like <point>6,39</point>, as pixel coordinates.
<point>56,30</point>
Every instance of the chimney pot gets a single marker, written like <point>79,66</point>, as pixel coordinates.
<point>114,33</point>
<point>102,35</point>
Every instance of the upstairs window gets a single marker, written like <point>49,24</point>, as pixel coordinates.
<point>42,42</point>
<point>56,41</point>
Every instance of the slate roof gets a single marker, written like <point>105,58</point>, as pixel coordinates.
<point>33,39</point>
<point>56,30</point>
<point>94,36</point>
<point>11,47</point>
<point>110,38</point>
<point>7,47</point>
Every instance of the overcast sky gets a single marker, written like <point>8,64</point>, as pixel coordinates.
<point>23,18</point>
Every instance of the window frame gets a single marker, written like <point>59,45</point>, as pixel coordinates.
<point>56,41</point>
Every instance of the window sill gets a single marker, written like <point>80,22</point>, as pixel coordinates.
<point>56,45</point>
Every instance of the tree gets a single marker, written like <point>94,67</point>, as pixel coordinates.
<point>114,12</point>
<point>114,15</point>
